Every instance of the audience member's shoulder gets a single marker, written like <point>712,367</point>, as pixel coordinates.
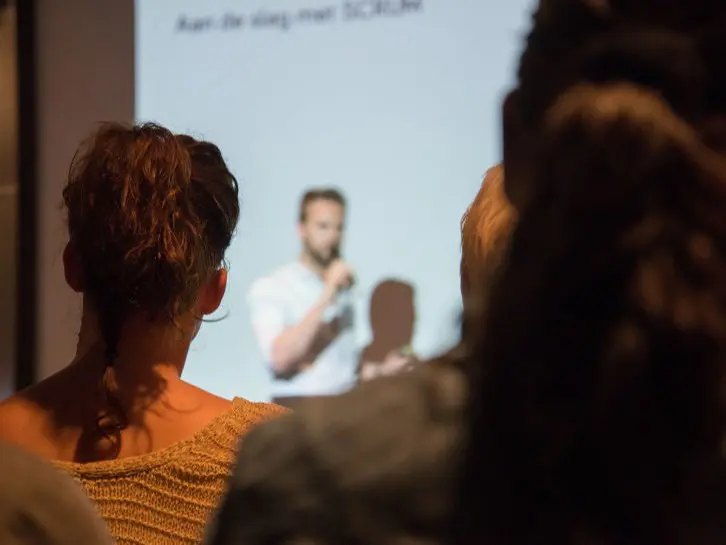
<point>20,415</point>
<point>246,414</point>
<point>369,416</point>
<point>346,450</point>
<point>39,503</point>
<point>30,402</point>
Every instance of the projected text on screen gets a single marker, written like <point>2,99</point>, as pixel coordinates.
<point>358,131</point>
<point>349,10</point>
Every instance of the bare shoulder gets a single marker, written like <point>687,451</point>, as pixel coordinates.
<point>21,417</point>
<point>202,408</point>
<point>239,407</point>
<point>246,416</point>
<point>405,429</point>
<point>38,417</point>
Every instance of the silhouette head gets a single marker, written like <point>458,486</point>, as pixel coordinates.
<point>393,313</point>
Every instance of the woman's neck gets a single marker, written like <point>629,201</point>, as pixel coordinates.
<point>150,355</point>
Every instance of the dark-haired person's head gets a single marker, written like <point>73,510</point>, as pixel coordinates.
<point>150,215</point>
<point>321,222</point>
<point>598,412</point>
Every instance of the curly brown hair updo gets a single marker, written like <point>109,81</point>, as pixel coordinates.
<point>150,216</point>
<point>598,411</point>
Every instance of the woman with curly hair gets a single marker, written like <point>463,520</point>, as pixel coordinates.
<point>150,216</point>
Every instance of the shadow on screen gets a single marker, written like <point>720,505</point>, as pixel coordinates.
<point>392,317</point>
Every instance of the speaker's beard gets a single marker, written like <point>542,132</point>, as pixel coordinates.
<point>322,261</point>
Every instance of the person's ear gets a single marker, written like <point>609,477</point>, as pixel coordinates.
<point>518,151</point>
<point>73,268</point>
<point>212,293</point>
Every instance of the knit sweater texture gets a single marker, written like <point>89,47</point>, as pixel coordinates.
<point>168,496</point>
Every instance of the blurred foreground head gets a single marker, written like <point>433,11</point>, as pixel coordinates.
<point>598,402</point>
<point>40,505</point>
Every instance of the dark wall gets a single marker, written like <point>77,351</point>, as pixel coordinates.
<point>8,194</point>
<point>85,75</point>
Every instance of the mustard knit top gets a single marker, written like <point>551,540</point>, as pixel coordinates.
<point>169,495</point>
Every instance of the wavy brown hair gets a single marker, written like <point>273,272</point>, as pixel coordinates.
<point>598,411</point>
<point>486,228</point>
<point>150,216</point>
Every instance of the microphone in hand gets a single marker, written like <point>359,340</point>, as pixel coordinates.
<point>339,275</point>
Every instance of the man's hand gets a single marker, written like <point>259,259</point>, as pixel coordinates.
<point>338,276</point>
<point>396,362</point>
